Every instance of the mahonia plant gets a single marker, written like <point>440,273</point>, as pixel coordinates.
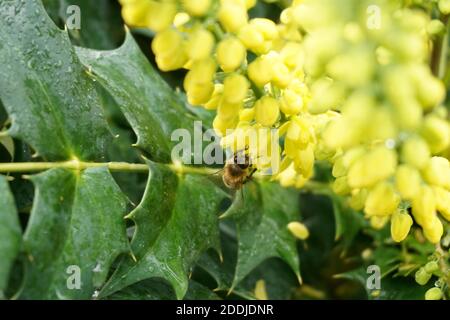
<point>251,71</point>
<point>340,107</point>
<point>337,85</point>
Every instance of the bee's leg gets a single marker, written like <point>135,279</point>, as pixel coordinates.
<point>249,176</point>
<point>251,173</point>
<point>217,172</point>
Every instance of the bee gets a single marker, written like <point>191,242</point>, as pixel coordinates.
<point>238,171</point>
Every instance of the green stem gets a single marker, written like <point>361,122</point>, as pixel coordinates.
<point>440,51</point>
<point>81,165</point>
<point>445,268</point>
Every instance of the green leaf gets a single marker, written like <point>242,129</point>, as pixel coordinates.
<point>175,222</point>
<point>3,115</point>
<point>10,233</point>
<point>265,209</point>
<point>101,24</point>
<point>158,289</point>
<point>398,288</point>
<point>76,220</point>
<point>52,7</point>
<point>348,221</point>
<point>149,104</point>
<point>49,97</point>
<point>279,279</point>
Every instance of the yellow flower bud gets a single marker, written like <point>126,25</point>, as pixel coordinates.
<point>267,27</point>
<point>232,16</point>
<point>378,222</point>
<point>422,276</point>
<point>431,266</point>
<point>267,111</point>
<point>437,133</point>
<point>260,290</point>
<point>437,172</point>
<point>291,103</point>
<point>401,223</point>
<point>415,152</point>
<point>377,165</point>
<point>304,161</point>
<point>160,15</point>
<point>431,93</point>
<point>352,155</point>
<point>287,176</point>
<point>382,200</point>
<point>200,45</point>
<point>228,110</point>
<point>221,125</point>
<point>280,75</point>
<point>435,27</point>
<point>339,169</point>
<point>292,55</point>
<point>442,197</point>
<point>251,38</point>
<point>180,19</point>
<point>230,54</point>
<point>202,71</point>
<point>340,186</point>
<point>260,71</point>
<point>235,88</point>
<point>198,94</point>
<point>298,230</point>
<point>250,3</point>
<point>247,114</point>
<point>434,293</point>
<point>424,206</point>
<point>168,48</point>
<point>135,14</point>
<point>434,230</point>
<point>198,82</point>
<point>407,181</point>
<point>444,6</point>
<point>196,8</point>
<point>213,103</point>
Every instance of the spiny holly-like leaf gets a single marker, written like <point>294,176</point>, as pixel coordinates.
<point>46,91</point>
<point>279,280</point>
<point>157,289</point>
<point>262,216</point>
<point>175,222</point>
<point>10,233</point>
<point>52,7</point>
<point>101,25</point>
<point>76,224</point>
<point>150,105</point>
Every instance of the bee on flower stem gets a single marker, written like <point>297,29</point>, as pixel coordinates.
<point>238,171</point>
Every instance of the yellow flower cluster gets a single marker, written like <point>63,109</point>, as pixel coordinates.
<point>249,70</point>
<point>369,61</point>
<point>344,81</point>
